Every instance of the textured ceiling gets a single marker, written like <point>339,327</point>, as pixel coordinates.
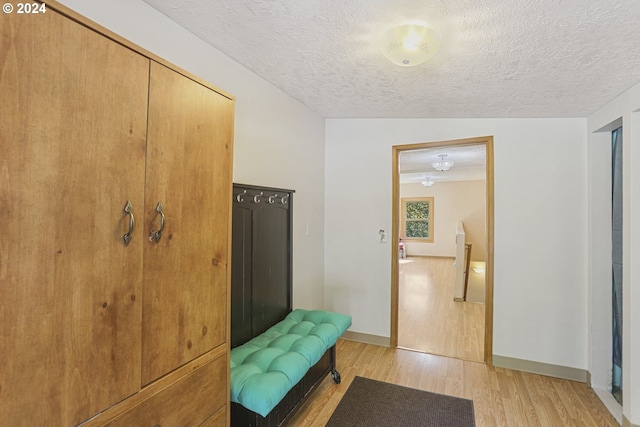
<point>497,58</point>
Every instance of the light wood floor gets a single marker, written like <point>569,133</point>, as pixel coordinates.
<point>429,320</point>
<point>502,397</point>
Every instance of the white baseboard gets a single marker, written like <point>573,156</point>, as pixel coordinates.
<point>556,371</point>
<point>367,338</point>
<point>611,404</point>
<point>627,423</point>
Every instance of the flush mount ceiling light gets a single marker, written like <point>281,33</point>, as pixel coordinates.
<point>428,182</point>
<point>409,45</point>
<point>442,164</point>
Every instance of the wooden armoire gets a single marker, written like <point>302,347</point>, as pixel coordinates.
<point>115,221</point>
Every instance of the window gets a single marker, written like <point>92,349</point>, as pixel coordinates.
<point>417,219</point>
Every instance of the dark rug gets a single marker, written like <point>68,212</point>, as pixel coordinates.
<point>371,403</point>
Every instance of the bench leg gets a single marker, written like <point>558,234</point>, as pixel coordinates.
<point>334,372</point>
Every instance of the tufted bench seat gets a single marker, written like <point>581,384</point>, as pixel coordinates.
<point>264,369</point>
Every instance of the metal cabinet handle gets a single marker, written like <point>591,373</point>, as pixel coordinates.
<point>158,234</point>
<point>129,210</point>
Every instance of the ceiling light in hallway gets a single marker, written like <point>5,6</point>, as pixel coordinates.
<point>428,182</point>
<point>442,164</point>
<point>409,45</point>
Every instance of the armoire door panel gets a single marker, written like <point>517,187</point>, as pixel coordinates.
<point>70,291</point>
<point>189,151</point>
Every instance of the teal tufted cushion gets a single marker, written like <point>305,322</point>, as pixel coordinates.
<point>264,369</point>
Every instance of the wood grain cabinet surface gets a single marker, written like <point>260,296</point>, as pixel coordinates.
<point>187,403</point>
<point>88,122</point>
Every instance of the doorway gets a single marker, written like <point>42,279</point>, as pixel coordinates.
<point>487,246</point>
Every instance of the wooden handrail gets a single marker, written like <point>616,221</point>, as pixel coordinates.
<point>467,263</point>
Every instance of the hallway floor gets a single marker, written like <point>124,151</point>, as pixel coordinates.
<point>501,397</point>
<point>429,320</point>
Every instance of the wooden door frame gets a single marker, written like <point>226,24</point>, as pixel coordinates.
<point>487,141</point>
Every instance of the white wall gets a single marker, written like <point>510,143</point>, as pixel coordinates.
<point>540,283</point>
<point>453,201</point>
<point>278,141</point>
<point>625,107</point>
